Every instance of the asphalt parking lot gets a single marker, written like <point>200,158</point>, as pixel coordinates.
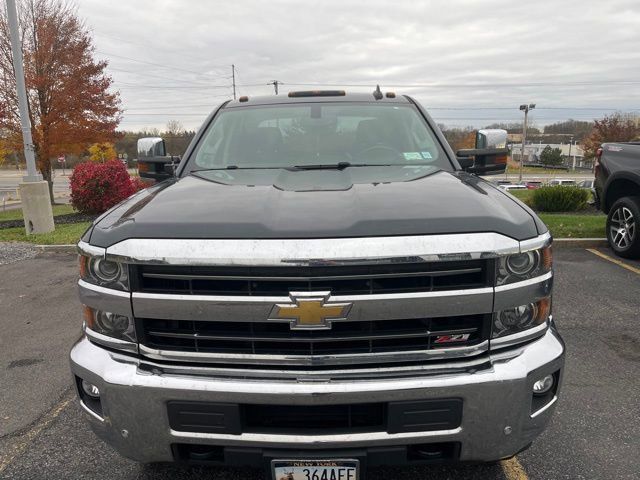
<point>595,433</point>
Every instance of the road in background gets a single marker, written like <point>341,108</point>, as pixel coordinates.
<point>594,434</point>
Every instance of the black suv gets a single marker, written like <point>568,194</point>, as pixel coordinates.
<point>617,193</point>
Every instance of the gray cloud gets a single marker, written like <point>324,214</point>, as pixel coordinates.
<point>572,58</point>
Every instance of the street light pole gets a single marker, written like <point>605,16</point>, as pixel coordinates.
<point>525,108</point>
<point>23,106</point>
<point>573,165</point>
<point>34,192</point>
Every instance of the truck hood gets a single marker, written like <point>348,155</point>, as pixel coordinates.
<point>279,203</point>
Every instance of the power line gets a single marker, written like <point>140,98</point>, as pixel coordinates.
<point>150,63</point>
<point>163,77</point>
<point>470,85</point>
<point>146,45</point>
<point>189,87</point>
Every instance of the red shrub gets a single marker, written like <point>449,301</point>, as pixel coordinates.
<point>96,187</point>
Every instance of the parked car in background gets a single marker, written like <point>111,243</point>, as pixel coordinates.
<point>617,193</point>
<point>586,184</point>
<point>508,188</point>
<point>533,185</point>
<point>563,182</point>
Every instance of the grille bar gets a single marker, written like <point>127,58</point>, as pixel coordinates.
<point>340,280</point>
<point>260,340</point>
<point>198,336</point>
<point>441,273</point>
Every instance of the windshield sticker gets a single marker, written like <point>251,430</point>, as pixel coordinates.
<point>412,156</point>
<point>426,155</point>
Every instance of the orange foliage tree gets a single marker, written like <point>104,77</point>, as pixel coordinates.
<point>612,128</point>
<point>70,102</point>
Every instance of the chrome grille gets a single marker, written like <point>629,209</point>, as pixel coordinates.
<point>345,338</point>
<point>339,280</point>
<point>229,323</point>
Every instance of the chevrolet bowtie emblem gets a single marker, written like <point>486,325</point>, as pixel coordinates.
<point>310,310</point>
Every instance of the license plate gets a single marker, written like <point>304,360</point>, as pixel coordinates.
<point>315,469</point>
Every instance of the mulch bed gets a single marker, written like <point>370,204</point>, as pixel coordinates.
<point>58,220</point>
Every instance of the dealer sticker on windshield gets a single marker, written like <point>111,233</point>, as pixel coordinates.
<point>412,156</point>
<point>315,469</point>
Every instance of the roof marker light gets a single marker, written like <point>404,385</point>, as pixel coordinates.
<point>318,93</point>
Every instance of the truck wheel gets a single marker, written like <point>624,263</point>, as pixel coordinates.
<point>623,223</point>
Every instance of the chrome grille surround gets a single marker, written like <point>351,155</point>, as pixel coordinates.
<point>313,253</point>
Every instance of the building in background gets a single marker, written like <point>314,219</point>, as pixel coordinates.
<point>570,153</point>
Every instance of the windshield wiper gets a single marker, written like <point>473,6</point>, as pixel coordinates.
<point>323,166</point>
<point>233,167</point>
<point>339,166</point>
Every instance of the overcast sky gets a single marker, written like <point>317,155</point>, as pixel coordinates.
<point>469,62</point>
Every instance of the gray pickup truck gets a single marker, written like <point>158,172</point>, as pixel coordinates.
<point>617,193</point>
<point>321,286</point>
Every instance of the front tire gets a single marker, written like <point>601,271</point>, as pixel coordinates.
<point>623,224</point>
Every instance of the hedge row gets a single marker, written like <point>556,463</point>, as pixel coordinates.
<point>560,199</point>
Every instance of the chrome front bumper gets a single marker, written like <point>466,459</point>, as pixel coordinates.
<point>497,420</point>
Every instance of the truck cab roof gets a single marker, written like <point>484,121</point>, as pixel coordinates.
<point>316,96</point>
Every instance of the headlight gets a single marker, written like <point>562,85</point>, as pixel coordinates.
<point>525,265</point>
<point>521,318</point>
<point>103,272</point>
<point>110,324</point>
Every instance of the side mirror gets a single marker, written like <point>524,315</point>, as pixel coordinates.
<point>490,155</point>
<point>153,162</point>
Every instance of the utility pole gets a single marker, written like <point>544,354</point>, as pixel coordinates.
<point>233,76</point>
<point>275,84</point>
<point>573,165</point>
<point>34,192</point>
<point>525,108</point>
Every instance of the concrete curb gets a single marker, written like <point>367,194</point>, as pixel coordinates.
<point>580,243</point>
<point>57,248</point>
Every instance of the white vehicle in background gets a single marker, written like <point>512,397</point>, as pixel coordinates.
<point>564,182</point>
<point>518,186</point>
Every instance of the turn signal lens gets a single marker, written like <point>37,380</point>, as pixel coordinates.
<point>518,319</point>
<point>111,324</point>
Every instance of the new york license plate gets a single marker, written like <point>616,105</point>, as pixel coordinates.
<point>315,469</point>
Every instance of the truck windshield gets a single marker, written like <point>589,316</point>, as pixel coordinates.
<point>319,136</point>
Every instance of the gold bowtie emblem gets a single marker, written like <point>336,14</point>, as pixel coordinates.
<point>310,310</point>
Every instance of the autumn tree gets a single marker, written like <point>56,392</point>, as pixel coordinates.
<point>70,104</point>
<point>459,138</point>
<point>612,128</point>
<point>101,152</point>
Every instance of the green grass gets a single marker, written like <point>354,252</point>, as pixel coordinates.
<point>17,213</point>
<point>564,225</point>
<point>523,195</point>
<point>516,169</point>
<point>62,235</point>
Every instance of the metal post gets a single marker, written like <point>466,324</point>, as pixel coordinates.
<point>23,106</point>
<point>524,142</point>
<point>573,165</point>
<point>233,76</point>
<point>524,108</point>
<point>34,192</point>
